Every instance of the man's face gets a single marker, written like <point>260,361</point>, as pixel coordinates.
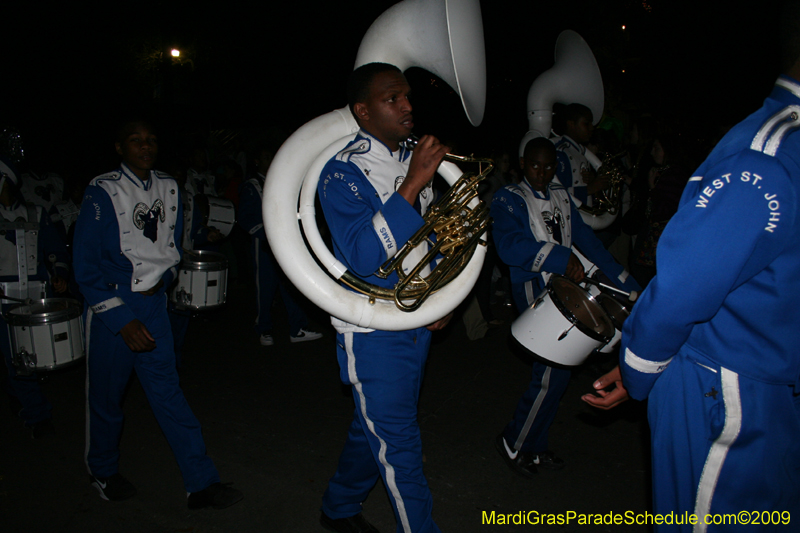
<point>386,113</point>
<point>539,166</point>
<point>139,150</point>
<point>580,130</point>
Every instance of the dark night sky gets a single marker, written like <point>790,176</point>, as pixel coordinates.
<point>66,76</point>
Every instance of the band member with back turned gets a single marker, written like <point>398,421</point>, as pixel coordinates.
<point>127,244</point>
<point>373,193</point>
<point>535,225</point>
<point>713,340</point>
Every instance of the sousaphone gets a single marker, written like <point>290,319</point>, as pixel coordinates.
<point>444,37</point>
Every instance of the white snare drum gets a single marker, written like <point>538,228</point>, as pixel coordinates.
<point>202,281</point>
<point>564,325</point>
<point>218,213</point>
<point>617,313</point>
<point>46,334</point>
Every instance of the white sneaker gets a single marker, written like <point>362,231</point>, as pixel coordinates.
<point>267,340</point>
<point>303,336</point>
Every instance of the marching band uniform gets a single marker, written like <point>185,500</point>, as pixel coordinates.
<point>368,220</point>
<point>127,240</point>
<point>533,232</point>
<point>268,280</point>
<point>45,190</point>
<point>713,340</point>
<point>26,233</point>
<point>572,162</point>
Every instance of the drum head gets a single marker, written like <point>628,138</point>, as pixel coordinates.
<point>44,311</point>
<point>580,308</point>
<point>616,311</point>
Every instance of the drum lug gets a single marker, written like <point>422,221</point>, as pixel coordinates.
<point>24,362</point>
<point>566,332</point>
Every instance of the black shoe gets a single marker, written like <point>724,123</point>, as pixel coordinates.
<point>548,461</point>
<point>520,462</point>
<point>115,488</point>
<point>216,495</point>
<point>351,524</point>
<point>42,429</point>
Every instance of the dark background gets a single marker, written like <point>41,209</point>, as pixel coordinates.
<point>69,74</point>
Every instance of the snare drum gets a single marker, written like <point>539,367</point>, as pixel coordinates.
<point>617,313</point>
<point>46,334</point>
<point>202,281</point>
<point>564,325</point>
<point>218,213</point>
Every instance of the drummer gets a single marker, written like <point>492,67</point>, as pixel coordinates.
<point>49,263</point>
<point>535,226</point>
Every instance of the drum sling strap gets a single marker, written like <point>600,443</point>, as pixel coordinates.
<point>26,234</point>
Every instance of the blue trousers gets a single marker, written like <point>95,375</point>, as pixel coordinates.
<point>722,443</point>
<point>109,366</point>
<point>537,409</point>
<point>538,406</point>
<point>386,371</point>
<point>268,283</point>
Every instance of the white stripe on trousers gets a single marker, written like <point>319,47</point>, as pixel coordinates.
<point>362,404</point>
<point>534,409</point>
<point>719,449</point>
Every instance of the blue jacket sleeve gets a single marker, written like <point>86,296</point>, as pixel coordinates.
<point>589,245</point>
<point>515,242</point>
<point>96,246</point>
<point>724,233</point>
<point>365,232</point>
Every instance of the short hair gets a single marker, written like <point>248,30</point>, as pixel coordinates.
<point>126,127</point>
<point>539,143</point>
<point>360,82</point>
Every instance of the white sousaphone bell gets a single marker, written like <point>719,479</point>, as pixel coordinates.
<point>444,37</point>
<point>574,78</point>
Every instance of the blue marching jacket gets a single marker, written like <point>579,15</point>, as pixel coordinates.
<point>728,262</point>
<point>529,257</point>
<point>121,246</point>
<point>368,218</point>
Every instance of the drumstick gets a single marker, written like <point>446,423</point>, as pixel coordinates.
<point>631,295</point>
<point>26,301</point>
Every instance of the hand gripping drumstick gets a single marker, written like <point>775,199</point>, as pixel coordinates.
<point>632,296</point>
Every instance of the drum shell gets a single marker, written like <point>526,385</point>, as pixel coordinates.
<point>218,213</point>
<point>202,281</point>
<point>51,329</point>
<point>551,332</point>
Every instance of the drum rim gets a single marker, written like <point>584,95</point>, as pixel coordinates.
<point>73,311</point>
<point>607,297</point>
<point>570,316</point>
<point>208,260</point>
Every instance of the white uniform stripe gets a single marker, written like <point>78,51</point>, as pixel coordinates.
<point>535,408</point>
<point>696,178</point>
<point>256,247</point>
<point>362,405</point>
<point>88,335</point>
<point>384,234</point>
<point>719,449</point>
<point>643,365</point>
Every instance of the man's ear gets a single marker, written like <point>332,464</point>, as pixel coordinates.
<point>522,163</point>
<point>118,147</point>
<point>361,111</point>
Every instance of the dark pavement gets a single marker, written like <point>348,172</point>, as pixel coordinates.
<point>275,419</point>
